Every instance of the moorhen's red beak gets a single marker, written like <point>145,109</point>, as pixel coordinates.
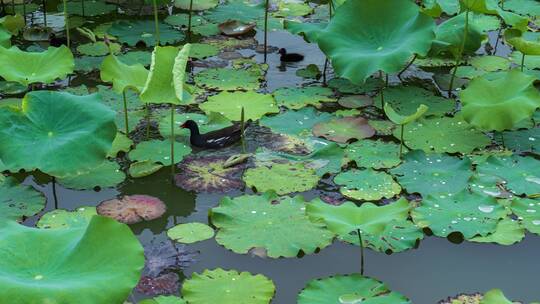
<point>183,125</point>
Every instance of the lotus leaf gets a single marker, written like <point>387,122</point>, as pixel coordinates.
<point>50,122</point>
<point>297,98</point>
<point>87,64</point>
<point>164,300</point>
<point>236,10</point>
<point>206,174</point>
<point>31,67</point>
<point>449,37</point>
<point>61,218</point>
<point>135,57</point>
<point>523,7</point>
<point>297,123</point>
<point>225,79</point>
<point>190,232</point>
<point>332,289</point>
<point>528,212</point>
<point>54,259</point>
<point>288,9</point>
<point>123,76</point>
<point>310,31</point>
<point>11,88</point>
<point>37,33</point>
<point>13,23</point>
<point>310,71</point>
<point>527,43</point>
<point>98,48</point>
<point>490,63</point>
<point>344,129</point>
<point>88,8</point>
<point>167,283</point>
<point>501,103</point>
<point>203,50</point>
<point>523,140</point>
<point>106,175</point>
<point>159,151</point>
<point>144,168</point>
<point>367,185</point>
<point>508,232</point>
<point>132,209</point>
<point>406,100</point>
<point>114,100</point>
<point>206,30</point>
<point>133,32</point>
<point>495,296</point>
<point>5,37</point>
<point>471,214</point>
<point>447,134</point>
<point>404,120</point>
<point>121,143</point>
<point>275,224</point>
<point>433,173</point>
<point>518,174</point>
<point>214,121</point>
<point>183,19</point>
<point>382,127</point>
<point>384,36</point>
<point>198,5</point>
<point>373,154</point>
<point>282,178</point>
<point>230,105</point>
<point>18,201</point>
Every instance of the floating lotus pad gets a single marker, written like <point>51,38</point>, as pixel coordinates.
<point>446,134</point>
<point>367,185</point>
<point>528,212</point>
<point>355,101</point>
<point>183,19</point>
<point>471,214</point>
<point>51,124</point>
<point>521,175</point>
<point>144,168</point>
<point>159,151</point>
<point>523,140</point>
<point>335,289</point>
<point>132,209</point>
<point>297,123</point>
<point>501,103</point>
<point>33,276</point>
<point>406,99</point>
<point>44,67</point>
<point>199,5</point>
<point>235,28</point>
<point>230,105</point>
<point>401,32</point>
<point>164,300</point>
<point>345,86</point>
<point>373,154</point>
<point>433,173</point>
<point>203,50</point>
<point>236,11</point>
<point>344,129</point>
<point>99,48</point>
<point>491,63</point>
<point>523,7</point>
<point>61,218</point>
<point>258,222</point>
<point>18,201</point>
<point>297,98</point>
<point>508,232</point>
<point>310,71</point>
<point>106,175</point>
<point>206,174</point>
<point>190,232</point>
<point>226,79</point>
<point>282,178</point>
<point>133,32</point>
<point>91,8</point>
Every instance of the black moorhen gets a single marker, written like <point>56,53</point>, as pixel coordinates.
<point>57,41</point>
<point>215,139</point>
<point>290,57</point>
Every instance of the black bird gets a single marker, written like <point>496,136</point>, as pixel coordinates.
<point>215,139</point>
<point>57,41</point>
<point>290,57</point>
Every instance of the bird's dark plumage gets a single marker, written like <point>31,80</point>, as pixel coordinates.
<point>57,41</point>
<point>290,57</point>
<point>214,139</point>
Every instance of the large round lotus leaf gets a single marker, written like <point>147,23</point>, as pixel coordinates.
<point>471,214</point>
<point>523,7</point>
<point>446,134</point>
<point>49,260</point>
<point>228,287</point>
<point>99,48</point>
<point>521,175</point>
<point>227,79</point>
<point>333,290</point>
<point>508,232</point>
<point>406,99</point>
<point>230,105</point>
<point>433,173</point>
<point>373,154</point>
<point>236,10</point>
<point>28,67</point>
<point>133,32</point>
<point>206,30</point>
<point>61,218</point>
<point>282,178</point>
<point>132,209</point>
<point>342,130</point>
<point>501,103</point>
<point>214,121</point>
<point>18,201</point>
<point>196,5</point>
<point>190,232</point>
<point>297,98</point>
<point>528,212</point>
<point>347,87</point>
<point>449,37</point>
<point>88,8</point>
<point>364,37</point>
<point>297,123</point>
<point>50,123</point>
<point>106,175</point>
<point>159,151</point>
<point>367,185</point>
<point>275,224</point>
<point>164,300</point>
<point>206,174</point>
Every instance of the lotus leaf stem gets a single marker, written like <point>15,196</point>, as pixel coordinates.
<point>407,66</point>
<point>24,11</point>
<point>44,12</point>
<point>361,244</point>
<point>172,143</point>
<point>54,192</point>
<point>324,71</point>
<point>13,6</point>
<point>265,29</point>
<point>82,8</point>
<point>522,62</point>
<point>147,121</point>
<point>502,139</point>
<point>189,20</point>
<point>460,54</point>
<point>66,21</point>
<point>382,90</point>
<point>125,112</point>
<point>401,141</point>
<point>242,129</point>
<point>156,20</point>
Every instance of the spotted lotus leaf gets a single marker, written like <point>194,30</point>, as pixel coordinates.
<point>225,79</point>
<point>373,154</point>
<point>230,104</point>
<point>190,232</point>
<point>297,123</point>
<point>18,201</point>
<point>528,212</point>
<point>523,140</point>
<point>297,98</point>
<point>471,214</point>
<point>406,99</point>
<point>133,32</point>
<point>236,11</point>
<point>367,185</point>
<point>60,218</point>
<point>132,209</point>
<point>508,232</point>
<point>159,151</point>
<point>106,175</point>
<point>344,129</point>
<point>281,177</point>
<point>521,175</point>
<point>252,221</point>
<point>88,8</point>
<point>433,173</point>
<point>206,174</point>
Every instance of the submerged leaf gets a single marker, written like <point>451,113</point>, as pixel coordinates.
<point>132,209</point>
<point>207,174</point>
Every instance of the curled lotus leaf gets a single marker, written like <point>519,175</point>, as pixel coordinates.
<point>501,103</point>
<point>373,154</point>
<point>106,175</point>
<point>297,123</point>
<point>226,79</point>
<point>402,119</point>
<point>31,275</point>
<point>61,218</point>
<point>167,283</point>
<point>121,143</point>
<point>342,130</point>
<point>495,296</point>
<point>384,36</point>
<point>18,201</point>
<point>527,43</point>
<point>521,175</point>
<point>252,221</point>
<point>235,28</point>
<point>449,37</point>
<point>206,174</point>
<point>282,178</point>
<point>132,209</point>
<point>528,212</point>
<point>367,185</point>
<point>123,76</point>
<point>190,232</point>
<point>35,67</point>
<point>471,214</point>
<point>133,32</point>
<point>297,98</point>
<point>230,104</point>
<point>332,289</point>
<point>227,287</point>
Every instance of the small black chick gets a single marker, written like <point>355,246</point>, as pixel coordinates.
<point>57,41</point>
<point>290,57</point>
